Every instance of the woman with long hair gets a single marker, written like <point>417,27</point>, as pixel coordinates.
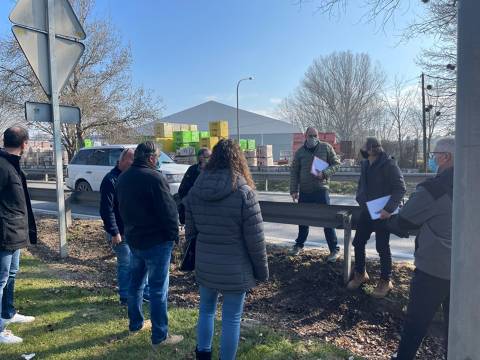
<point>223,217</point>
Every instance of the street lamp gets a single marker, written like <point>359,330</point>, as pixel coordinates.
<point>238,124</point>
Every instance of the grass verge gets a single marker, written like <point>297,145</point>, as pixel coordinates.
<point>77,323</point>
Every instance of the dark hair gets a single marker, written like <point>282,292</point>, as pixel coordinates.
<point>145,150</point>
<point>202,151</point>
<point>227,155</point>
<point>14,137</point>
<point>374,145</point>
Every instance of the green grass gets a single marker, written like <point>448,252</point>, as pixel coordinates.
<point>81,324</point>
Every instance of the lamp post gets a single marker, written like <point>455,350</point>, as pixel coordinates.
<point>238,124</point>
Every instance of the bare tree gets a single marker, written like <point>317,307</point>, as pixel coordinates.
<point>400,106</point>
<point>100,85</point>
<point>340,92</point>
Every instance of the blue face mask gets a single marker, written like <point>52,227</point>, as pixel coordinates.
<point>433,165</point>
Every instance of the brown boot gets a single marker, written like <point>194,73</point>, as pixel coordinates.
<point>382,289</point>
<point>358,280</point>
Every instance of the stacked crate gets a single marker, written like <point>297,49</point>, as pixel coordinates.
<point>264,155</point>
<point>209,142</point>
<point>251,156</point>
<point>218,129</point>
<point>186,155</point>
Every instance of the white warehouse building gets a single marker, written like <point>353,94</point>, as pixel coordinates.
<point>265,130</point>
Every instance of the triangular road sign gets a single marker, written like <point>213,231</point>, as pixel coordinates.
<point>33,14</point>
<point>34,45</point>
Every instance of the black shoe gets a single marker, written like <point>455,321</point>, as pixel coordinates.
<point>203,355</point>
<point>297,249</point>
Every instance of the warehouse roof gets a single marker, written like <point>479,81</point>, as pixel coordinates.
<point>250,122</point>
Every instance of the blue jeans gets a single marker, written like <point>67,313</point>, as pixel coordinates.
<point>319,197</point>
<point>9,264</point>
<point>154,263</point>
<point>231,315</point>
<point>122,251</point>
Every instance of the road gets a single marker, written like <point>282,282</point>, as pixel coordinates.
<point>281,234</point>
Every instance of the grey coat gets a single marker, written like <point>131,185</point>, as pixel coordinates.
<point>429,210</point>
<point>228,226</point>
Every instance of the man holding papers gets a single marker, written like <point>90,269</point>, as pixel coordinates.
<point>380,191</point>
<point>312,166</point>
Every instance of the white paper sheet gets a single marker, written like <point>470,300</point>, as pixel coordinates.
<point>376,206</point>
<point>318,165</point>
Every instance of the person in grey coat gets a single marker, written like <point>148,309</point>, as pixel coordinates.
<point>429,210</point>
<point>223,216</point>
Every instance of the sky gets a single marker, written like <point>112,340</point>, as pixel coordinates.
<point>191,51</point>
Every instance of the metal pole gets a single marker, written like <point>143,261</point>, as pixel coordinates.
<point>238,124</point>
<point>57,130</point>
<point>424,126</point>
<point>465,288</point>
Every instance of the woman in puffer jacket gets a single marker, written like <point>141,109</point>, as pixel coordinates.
<point>223,215</point>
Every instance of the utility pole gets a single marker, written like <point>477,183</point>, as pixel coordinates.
<point>238,121</point>
<point>464,327</point>
<point>424,126</point>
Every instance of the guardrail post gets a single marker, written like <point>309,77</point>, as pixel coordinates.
<point>68,210</point>
<point>46,177</point>
<point>266,183</point>
<point>347,247</point>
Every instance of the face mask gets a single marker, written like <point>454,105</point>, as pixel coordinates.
<point>432,164</point>
<point>364,153</point>
<point>311,142</point>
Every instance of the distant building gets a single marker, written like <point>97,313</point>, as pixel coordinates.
<point>265,130</point>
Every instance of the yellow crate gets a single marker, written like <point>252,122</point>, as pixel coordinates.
<point>218,128</point>
<point>163,130</point>
<point>193,127</point>
<point>209,142</point>
<point>167,145</point>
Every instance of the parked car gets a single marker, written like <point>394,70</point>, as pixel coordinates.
<point>88,167</point>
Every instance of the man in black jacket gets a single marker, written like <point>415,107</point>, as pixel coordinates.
<point>380,176</point>
<point>113,224</point>
<point>190,177</point>
<point>150,218</point>
<point>17,226</point>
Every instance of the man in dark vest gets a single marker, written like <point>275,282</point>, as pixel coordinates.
<point>17,226</point>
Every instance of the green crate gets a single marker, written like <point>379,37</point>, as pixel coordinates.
<point>243,144</point>
<point>204,134</point>
<point>195,137</point>
<point>182,137</point>
<point>251,144</point>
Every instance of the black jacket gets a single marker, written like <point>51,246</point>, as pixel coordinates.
<point>112,222</point>
<point>148,210</point>
<point>187,183</point>
<point>17,223</point>
<point>380,179</point>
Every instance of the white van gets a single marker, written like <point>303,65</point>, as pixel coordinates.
<point>89,166</point>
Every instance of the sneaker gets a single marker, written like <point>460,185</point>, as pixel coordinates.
<point>170,340</point>
<point>6,337</point>
<point>147,325</point>
<point>333,257</point>
<point>296,250</point>
<point>358,280</point>
<point>19,319</point>
<point>382,289</point>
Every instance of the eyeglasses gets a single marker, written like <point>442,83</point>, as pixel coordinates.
<point>432,154</point>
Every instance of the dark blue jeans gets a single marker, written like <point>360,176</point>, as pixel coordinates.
<point>122,251</point>
<point>9,265</point>
<point>232,310</point>
<point>154,263</point>
<point>319,197</point>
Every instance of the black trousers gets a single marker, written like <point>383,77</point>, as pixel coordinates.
<point>319,197</point>
<point>427,294</point>
<point>366,226</point>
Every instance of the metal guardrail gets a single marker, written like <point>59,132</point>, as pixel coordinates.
<point>335,216</point>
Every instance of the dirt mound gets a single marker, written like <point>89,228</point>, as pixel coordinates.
<point>305,295</point>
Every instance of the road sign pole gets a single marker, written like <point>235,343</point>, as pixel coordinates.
<point>465,288</point>
<point>57,134</point>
